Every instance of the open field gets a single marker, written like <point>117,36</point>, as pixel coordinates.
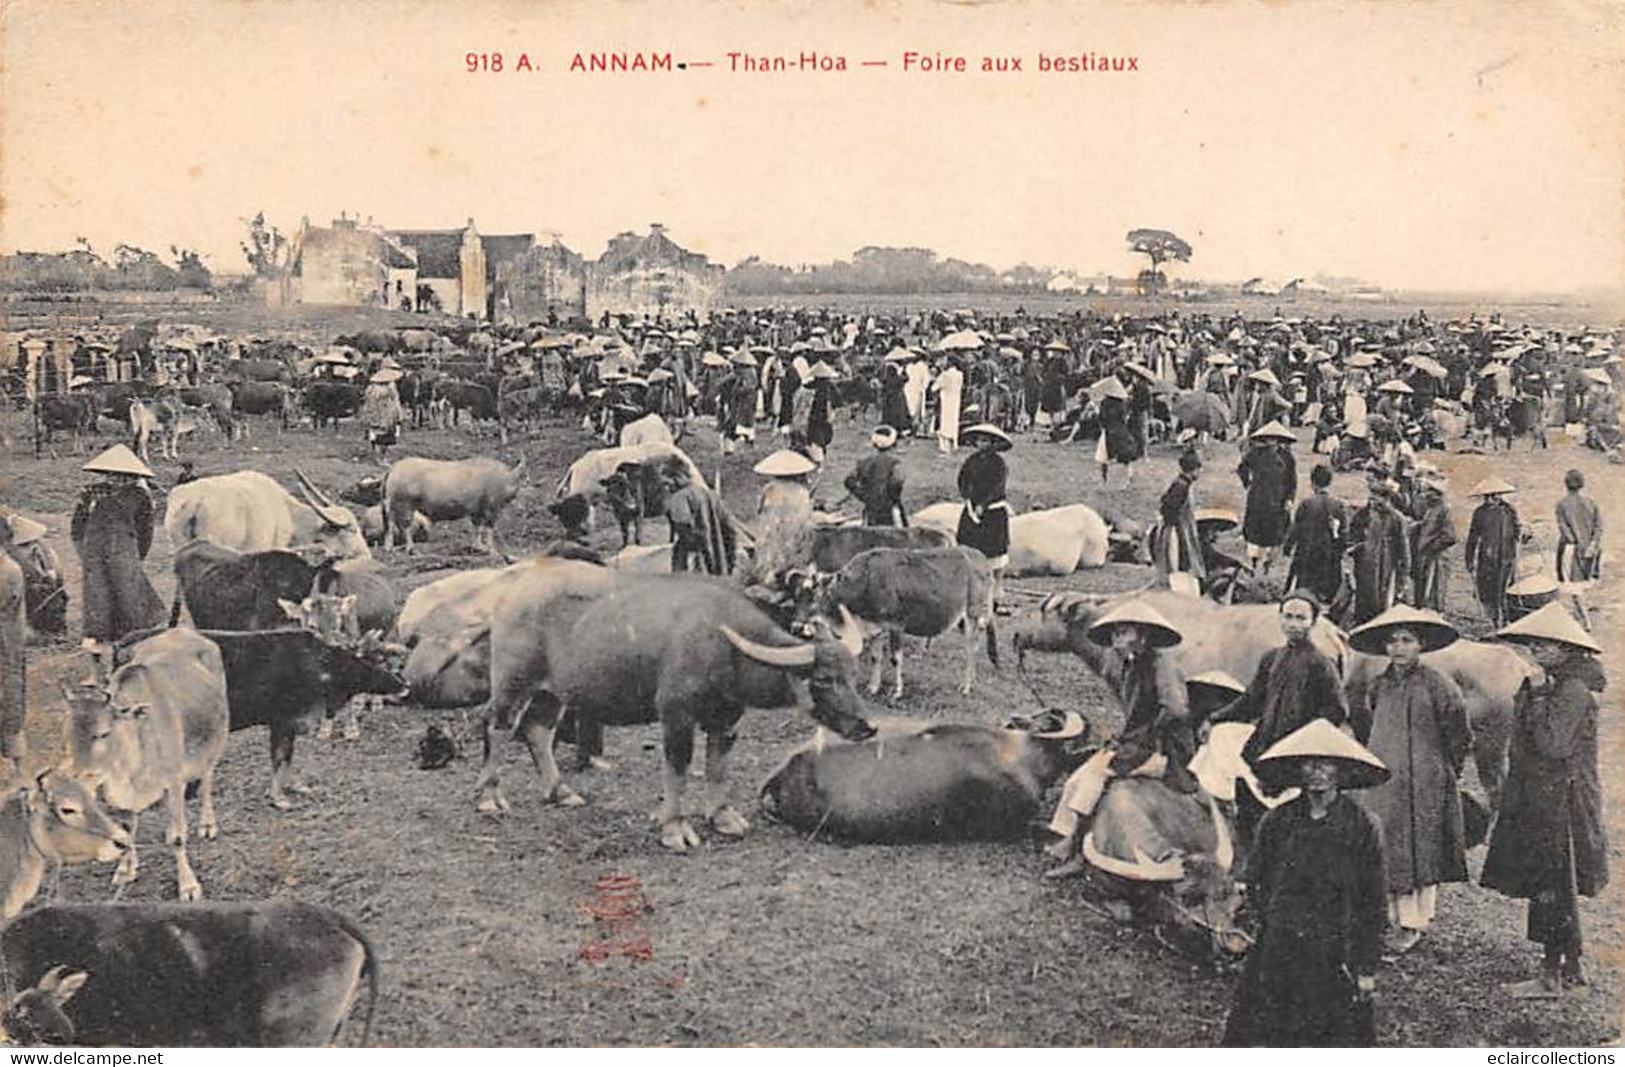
<point>776,939</point>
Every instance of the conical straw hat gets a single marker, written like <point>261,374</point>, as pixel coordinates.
<point>785,464</point>
<point>118,460</point>
<point>1492,486</point>
<point>1281,764</point>
<point>1550,623</point>
<point>1159,631</point>
<point>1274,429</point>
<point>1429,627</point>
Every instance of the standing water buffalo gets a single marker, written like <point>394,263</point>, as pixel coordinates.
<point>248,512</point>
<point>442,490</point>
<point>684,650</point>
<point>918,781</point>
<point>327,402</point>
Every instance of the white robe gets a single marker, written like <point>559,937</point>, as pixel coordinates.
<point>1354,414</point>
<point>949,385</point>
<point>919,376</point>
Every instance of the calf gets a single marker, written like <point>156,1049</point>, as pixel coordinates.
<point>288,680</point>
<point>227,590</point>
<point>916,781</point>
<point>922,593</point>
<point>54,819</point>
<point>165,416</point>
<point>262,973</point>
<point>160,725</point>
<point>74,413</point>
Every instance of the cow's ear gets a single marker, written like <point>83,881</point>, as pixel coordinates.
<point>291,610</point>
<point>68,985</point>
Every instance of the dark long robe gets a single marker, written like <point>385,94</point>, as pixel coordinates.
<point>1156,708</point>
<point>702,536</point>
<point>1430,568</point>
<point>820,430</point>
<point>1550,824</point>
<point>1382,559</point>
<point>1175,543</point>
<point>983,526</point>
<point>1323,909</point>
<point>1315,543</point>
<point>1294,685</point>
<point>112,531</point>
<point>1492,554</point>
<point>877,482</point>
<point>893,399</point>
<point>1122,446</point>
<point>1271,478</point>
<point>1419,730</point>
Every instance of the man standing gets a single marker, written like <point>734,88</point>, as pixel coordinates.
<point>1434,534</point>
<point>1382,559</point>
<point>1579,528</point>
<point>1492,546</point>
<point>1418,728</point>
<point>949,387</point>
<point>1270,477</point>
<point>1294,685</point>
<point>877,482</point>
<point>1315,539</point>
<point>1176,543</point>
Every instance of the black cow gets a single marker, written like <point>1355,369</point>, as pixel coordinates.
<point>258,370</point>
<point>227,590</point>
<point>383,342</point>
<point>113,399</point>
<point>288,680</point>
<point>74,413</point>
<point>328,402</point>
<point>478,400</point>
<point>264,973</point>
<point>260,398</point>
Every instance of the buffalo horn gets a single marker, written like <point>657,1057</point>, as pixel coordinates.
<point>1140,869</point>
<point>850,636</point>
<point>1073,726</point>
<point>789,656</point>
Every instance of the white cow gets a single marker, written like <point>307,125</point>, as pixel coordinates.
<point>249,512</point>
<point>587,473</point>
<point>1056,541</point>
<point>651,429</point>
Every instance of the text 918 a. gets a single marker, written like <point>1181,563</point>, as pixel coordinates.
<point>483,62</point>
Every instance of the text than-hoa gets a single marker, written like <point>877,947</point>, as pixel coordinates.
<point>806,62</point>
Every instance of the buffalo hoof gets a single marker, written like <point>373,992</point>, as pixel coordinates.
<point>565,797</point>
<point>729,822</point>
<point>281,803</point>
<point>208,831</point>
<point>324,732</point>
<point>964,689</point>
<point>190,892</point>
<point>599,763</point>
<point>492,804</point>
<point>126,871</point>
<point>352,732</point>
<point>679,836</point>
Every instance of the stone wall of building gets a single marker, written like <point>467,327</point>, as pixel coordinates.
<point>340,266</point>
<point>550,278</point>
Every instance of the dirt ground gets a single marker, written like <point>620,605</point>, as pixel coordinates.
<point>479,922</point>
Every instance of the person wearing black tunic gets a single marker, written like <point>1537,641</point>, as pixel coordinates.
<point>985,522</point>
<point>894,397</point>
<point>1492,546</point>
<point>1316,538</point>
<point>1270,477</point>
<point>877,482</point>
<point>1318,883</point>
<point>112,531</point>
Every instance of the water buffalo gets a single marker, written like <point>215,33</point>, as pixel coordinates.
<point>835,546</point>
<point>1057,541</point>
<point>684,650</point>
<point>264,973</point>
<point>261,398</point>
<point>327,402</point>
<point>921,781</point>
<point>444,490</point>
<point>248,512</point>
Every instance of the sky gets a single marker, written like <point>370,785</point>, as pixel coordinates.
<point>1457,145</point>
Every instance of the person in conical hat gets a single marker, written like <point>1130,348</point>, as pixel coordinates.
<point>984,523</point>
<point>1415,720</point>
<point>1549,845</point>
<point>1127,649</point>
<point>1270,475</point>
<point>112,532</point>
<point>381,411</point>
<point>44,595</point>
<point>1492,546</point>
<point>1317,885</point>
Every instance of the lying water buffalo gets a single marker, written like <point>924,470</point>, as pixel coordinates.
<point>921,781</point>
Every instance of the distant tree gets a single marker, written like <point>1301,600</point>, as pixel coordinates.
<point>189,268</point>
<point>1161,246</point>
<point>266,249</point>
<point>137,268</point>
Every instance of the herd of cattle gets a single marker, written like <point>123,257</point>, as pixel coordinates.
<point>292,619</point>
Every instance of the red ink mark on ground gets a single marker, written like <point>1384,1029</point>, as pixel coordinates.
<point>617,903</point>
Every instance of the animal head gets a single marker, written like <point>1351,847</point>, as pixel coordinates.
<point>1068,736</point>
<point>36,1016</point>
<point>328,525</point>
<point>575,513</point>
<point>67,823</point>
<point>823,671</point>
<point>1058,624</point>
<point>364,667</point>
<point>331,616</point>
<point>100,724</point>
